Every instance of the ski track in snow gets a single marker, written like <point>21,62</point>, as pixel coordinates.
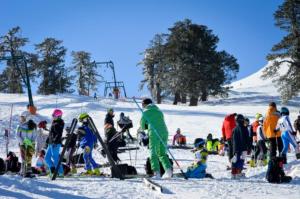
<point>193,121</point>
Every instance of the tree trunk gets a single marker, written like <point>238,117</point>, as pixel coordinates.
<point>176,98</point>
<point>194,100</point>
<point>183,98</point>
<point>204,96</point>
<point>158,93</point>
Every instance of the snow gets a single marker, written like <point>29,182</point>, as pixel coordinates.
<point>248,96</point>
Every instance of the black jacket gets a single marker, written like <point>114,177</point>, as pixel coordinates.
<point>240,139</point>
<point>56,131</point>
<point>109,119</point>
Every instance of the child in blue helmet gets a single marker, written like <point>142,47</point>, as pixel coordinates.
<point>87,142</point>
<point>198,168</point>
<point>288,133</point>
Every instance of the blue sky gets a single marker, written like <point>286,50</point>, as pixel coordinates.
<point>119,30</point>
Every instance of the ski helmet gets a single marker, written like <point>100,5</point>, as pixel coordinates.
<point>57,113</point>
<point>199,142</point>
<point>258,115</point>
<point>110,110</point>
<point>82,117</point>
<point>284,111</point>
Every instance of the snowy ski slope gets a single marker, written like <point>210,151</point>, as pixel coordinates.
<point>248,96</point>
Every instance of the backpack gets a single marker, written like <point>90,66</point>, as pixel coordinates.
<point>275,172</point>
<point>12,162</point>
<point>125,169</point>
<point>2,167</point>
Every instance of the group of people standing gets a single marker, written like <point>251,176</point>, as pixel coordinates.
<point>275,130</point>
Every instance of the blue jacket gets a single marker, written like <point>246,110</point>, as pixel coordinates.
<point>88,139</point>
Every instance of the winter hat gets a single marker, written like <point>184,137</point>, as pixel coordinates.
<point>240,118</point>
<point>273,104</point>
<point>110,110</point>
<point>147,101</point>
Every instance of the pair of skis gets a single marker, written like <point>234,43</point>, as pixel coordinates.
<point>91,124</point>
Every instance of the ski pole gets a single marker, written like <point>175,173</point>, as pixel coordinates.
<point>160,139</point>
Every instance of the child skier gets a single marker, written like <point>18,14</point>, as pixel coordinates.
<point>288,134</point>
<point>54,141</point>
<point>198,169</point>
<point>87,142</point>
<point>261,149</point>
<point>26,133</point>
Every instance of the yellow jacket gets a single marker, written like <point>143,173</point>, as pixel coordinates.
<point>270,123</point>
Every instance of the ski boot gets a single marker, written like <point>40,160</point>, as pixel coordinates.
<point>252,163</point>
<point>88,173</point>
<point>96,172</point>
<point>168,174</point>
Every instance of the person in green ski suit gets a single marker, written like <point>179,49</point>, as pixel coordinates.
<point>153,120</point>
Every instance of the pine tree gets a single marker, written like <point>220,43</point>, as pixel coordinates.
<point>154,69</point>
<point>287,51</point>
<point>86,72</point>
<point>51,68</point>
<point>10,45</point>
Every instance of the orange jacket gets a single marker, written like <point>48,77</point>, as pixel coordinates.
<point>254,125</point>
<point>270,123</point>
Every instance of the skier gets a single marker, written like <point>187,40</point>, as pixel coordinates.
<point>239,147</point>
<point>297,124</point>
<point>26,133</point>
<point>288,134</point>
<point>198,168</point>
<point>110,132</point>
<point>212,145</point>
<point>125,124</point>
<point>54,142</point>
<point>41,137</point>
<point>272,134</point>
<point>95,96</point>
<point>227,127</point>
<point>261,152</point>
<point>179,138</point>
<point>87,142</point>
<point>153,121</point>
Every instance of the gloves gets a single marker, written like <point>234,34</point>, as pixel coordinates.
<point>234,159</point>
<point>27,142</point>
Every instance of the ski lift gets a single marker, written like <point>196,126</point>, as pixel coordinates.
<point>114,86</point>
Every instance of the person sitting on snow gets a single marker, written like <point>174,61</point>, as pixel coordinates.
<point>88,141</point>
<point>40,165</point>
<point>179,138</point>
<point>198,168</point>
<point>212,145</point>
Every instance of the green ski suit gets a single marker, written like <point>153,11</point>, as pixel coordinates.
<point>153,119</point>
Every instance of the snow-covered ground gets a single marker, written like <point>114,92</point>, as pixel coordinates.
<point>248,96</point>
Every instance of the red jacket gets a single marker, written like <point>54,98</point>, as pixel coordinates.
<point>228,125</point>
